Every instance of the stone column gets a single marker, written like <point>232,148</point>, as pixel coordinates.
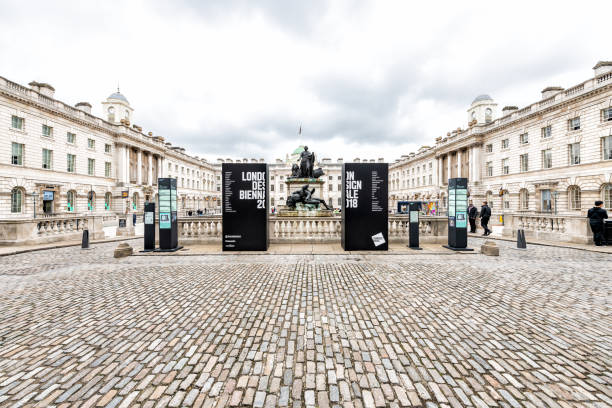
<point>160,167</point>
<point>126,164</point>
<point>448,167</point>
<point>476,163</point>
<point>439,168</point>
<point>459,163</point>
<point>120,163</point>
<point>139,169</point>
<point>150,174</point>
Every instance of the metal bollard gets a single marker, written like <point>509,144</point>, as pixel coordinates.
<point>85,241</point>
<point>520,239</point>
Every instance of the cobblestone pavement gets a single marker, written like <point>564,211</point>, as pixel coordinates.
<point>530,328</point>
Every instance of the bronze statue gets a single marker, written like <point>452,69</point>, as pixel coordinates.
<point>305,196</point>
<point>306,163</point>
<point>306,167</point>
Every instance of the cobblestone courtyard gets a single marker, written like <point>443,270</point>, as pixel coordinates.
<point>79,328</point>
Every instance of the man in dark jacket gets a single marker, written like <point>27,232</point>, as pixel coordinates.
<point>485,214</point>
<point>596,217</point>
<point>472,214</point>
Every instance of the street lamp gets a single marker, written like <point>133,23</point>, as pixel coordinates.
<point>34,200</point>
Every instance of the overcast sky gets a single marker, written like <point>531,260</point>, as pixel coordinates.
<point>368,79</point>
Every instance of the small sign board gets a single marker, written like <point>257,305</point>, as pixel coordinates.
<point>122,222</point>
<point>149,217</point>
<point>124,194</point>
<point>48,195</point>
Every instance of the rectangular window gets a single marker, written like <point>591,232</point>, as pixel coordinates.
<point>91,144</point>
<point>489,148</point>
<point>525,162</point>
<point>47,131</point>
<point>524,138</point>
<point>546,132</point>
<point>546,159</point>
<point>107,148</point>
<point>574,153</point>
<point>91,166</point>
<point>505,143</point>
<point>606,115</point>
<point>546,201</point>
<point>489,169</point>
<point>70,138</point>
<point>574,124</point>
<point>330,187</point>
<point>71,159</point>
<point>17,154</point>
<point>17,122</point>
<point>107,169</point>
<point>339,187</point>
<point>606,146</point>
<point>430,179</point>
<point>505,166</point>
<point>47,159</point>
<point>271,187</point>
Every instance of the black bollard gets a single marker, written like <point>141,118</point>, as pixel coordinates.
<point>520,239</point>
<point>85,241</point>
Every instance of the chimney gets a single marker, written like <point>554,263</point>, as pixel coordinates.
<point>84,106</point>
<point>508,110</point>
<point>550,91</point>
<point>44,89</point>
<point>602,67</point>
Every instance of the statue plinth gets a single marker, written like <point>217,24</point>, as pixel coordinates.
<point>303,180</point>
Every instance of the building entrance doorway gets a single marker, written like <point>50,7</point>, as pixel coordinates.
<point>48,197</point>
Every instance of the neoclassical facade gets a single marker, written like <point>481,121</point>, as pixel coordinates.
<point>553,156</point>
<point>60,159</point>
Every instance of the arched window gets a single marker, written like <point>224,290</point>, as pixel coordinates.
<point>70,201</point>
<point>91,201</point>
<point>573,198</point>
<point>111,114</point>
<point>127,114</point>
<point>271,201</point>
<point>107,201</point>
<point>16,200</point>
<point>606,195</point>
<point>524,199</point>
<point>488,115</point>
<point>135,200</point>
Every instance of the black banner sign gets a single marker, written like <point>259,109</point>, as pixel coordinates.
<point>365,204</point>
<point>245,206</point>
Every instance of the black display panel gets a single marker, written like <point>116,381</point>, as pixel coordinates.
<point>365,203</point>
<point>457,212</point>
<point>168,224</point>
<point>245,206</point>
<point>149,226</point>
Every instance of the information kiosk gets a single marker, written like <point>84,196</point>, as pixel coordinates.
<point>245,206</point>
<point>365,203</point>
<point>168,224</point>
<point>457,214</point>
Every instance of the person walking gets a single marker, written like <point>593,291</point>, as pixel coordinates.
<point>596,216</point>
<point>485,214</point>
<point>472,214</point>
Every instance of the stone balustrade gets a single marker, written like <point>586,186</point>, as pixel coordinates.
<point>206,229</point>
<point>52,229</point>
<point>549,227</point>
